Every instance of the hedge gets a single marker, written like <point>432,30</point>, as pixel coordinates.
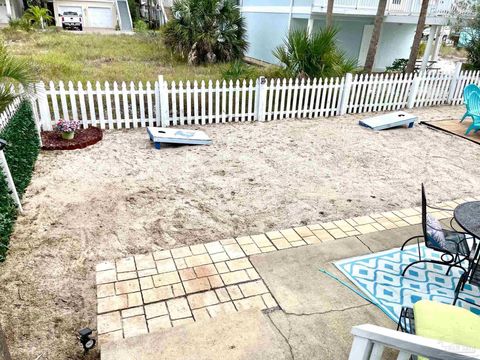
<point>21,153</point>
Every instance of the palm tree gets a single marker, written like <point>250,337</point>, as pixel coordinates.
<point>12,72</point>
<point>377,28</point>
<point>37,16</point>
<point>418,37</point>
<point>206,30</point>
<point>316,55</point>
<point>329,19</point>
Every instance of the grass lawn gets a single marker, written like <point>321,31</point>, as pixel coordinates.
<point>61,55</point>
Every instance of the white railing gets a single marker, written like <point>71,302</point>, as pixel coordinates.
<point>122,105</point>
<point>370,341</point>
<point>395,7</point>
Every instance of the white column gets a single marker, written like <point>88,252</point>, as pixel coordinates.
<point>9,8</point>
<point>310,26</point>
<point>438,42</point>
<point>428,48</point>
<point>290,16</point>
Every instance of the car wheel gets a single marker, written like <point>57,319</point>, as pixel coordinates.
<point>63,26</point>
<point>80,28</point>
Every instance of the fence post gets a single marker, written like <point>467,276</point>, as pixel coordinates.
<point>412,96</point>
<point>453,84</point>
<point>33,104</point>
<point>261,98</point>
<point>347,87</point>
<point>10,183</point>
<point>45,118</point>
<point>163,96</point>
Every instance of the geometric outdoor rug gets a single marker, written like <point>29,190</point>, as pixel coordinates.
<point>378,276</point>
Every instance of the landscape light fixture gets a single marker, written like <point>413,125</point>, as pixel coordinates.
<point>84,338</point>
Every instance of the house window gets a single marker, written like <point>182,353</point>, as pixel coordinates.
<point>396,2</point>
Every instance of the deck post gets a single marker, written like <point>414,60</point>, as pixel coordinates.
<point>453,83</point>
<point>347,86</point>
<point>10,183</point>
<point>412,96</point>
<point>261,98</point>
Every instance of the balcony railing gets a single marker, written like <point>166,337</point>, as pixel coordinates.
<point>394,7</point>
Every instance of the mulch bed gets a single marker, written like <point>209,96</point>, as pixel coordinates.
<point>52,140</point>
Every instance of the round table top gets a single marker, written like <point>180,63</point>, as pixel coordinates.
<point>467,216</point>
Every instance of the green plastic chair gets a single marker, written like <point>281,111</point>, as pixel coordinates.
<point>474,109</point>
<point>469,90</point>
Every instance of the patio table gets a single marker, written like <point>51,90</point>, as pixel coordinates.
<point>467,215</point>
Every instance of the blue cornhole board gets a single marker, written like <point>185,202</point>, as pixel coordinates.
<point>177,136</point>
<point>388,121</point>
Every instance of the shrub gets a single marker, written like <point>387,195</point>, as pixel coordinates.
<point>38,16</point>
<point>140,26</point>
<point>206,31</point>
<point>21,153</point>
<point>397,65</point>
<point>20,24</point>
<point>316,55</point>
<point>238,70</point>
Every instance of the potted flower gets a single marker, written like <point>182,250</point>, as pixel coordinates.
<point>67,128</point>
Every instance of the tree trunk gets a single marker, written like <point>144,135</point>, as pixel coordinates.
<point>329,21</point>
<point>377,28</point>
<point>418,37</point>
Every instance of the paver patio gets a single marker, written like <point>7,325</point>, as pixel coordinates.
<point>313,318</point>
<point>276,272</point>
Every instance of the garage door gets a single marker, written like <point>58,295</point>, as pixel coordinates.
<point>3,12</point>
<point>100,17</point>
<point>62,9</point>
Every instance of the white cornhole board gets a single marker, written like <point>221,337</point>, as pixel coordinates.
<point>388,121</point>
<point>177,136</point>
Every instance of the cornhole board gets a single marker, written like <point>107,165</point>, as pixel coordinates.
<point>177,136</point>
<point>388,121</point>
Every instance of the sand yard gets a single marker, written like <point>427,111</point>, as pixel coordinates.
<point>123,197</point>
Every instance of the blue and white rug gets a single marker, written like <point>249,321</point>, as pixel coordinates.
<point>379,277</point>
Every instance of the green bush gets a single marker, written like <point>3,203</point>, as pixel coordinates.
<point>206,31</point>
<point>140,26</point>
<point>238,70</point>
<point>21,153</point>
<point>317,55</point>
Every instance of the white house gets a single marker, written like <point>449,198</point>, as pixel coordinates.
<point>268,22</point>
<point>102,14</point>
<point>10,9</point>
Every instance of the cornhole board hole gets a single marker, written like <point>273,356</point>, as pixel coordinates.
<point>177,136</point>
<point>388,121</point>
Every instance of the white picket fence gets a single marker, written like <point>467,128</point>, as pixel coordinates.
<point>122,105</point>
<point>8,113</point>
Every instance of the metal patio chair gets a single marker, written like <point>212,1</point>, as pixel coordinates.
<point>472,276</point>
<point>451,243</point>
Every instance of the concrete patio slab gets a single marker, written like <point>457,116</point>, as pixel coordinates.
<point>240,336</point>
<point>388,239</point>
<point>326,336</point>
<point>294,279</point>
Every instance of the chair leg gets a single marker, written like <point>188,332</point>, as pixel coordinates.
<point>408,240</point>
<point>411,264</point>
<point>470,128</point>
<point>459,287</point>
<point>463,117</point>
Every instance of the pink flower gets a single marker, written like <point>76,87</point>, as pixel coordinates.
<point>67,125</point>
